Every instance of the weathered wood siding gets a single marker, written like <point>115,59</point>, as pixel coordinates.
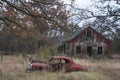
<point>95,41</point>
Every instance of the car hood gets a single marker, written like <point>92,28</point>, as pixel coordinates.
<point>38,61</point>
<point>40,64</point>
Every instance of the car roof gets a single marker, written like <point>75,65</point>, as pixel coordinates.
<point>63,57</point>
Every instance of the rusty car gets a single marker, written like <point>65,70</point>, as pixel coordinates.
<point>57,63</point>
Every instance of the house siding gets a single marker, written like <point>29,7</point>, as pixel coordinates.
<point>93,45</point>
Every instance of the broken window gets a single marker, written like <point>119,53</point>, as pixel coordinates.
<point>61,48</point>
<point>89,33</point>
<point>78,49</point>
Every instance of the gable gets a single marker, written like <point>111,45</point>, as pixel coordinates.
<point>89,32</point>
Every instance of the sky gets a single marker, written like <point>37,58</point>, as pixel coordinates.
<point>80,3</point>
<point>83,3</point>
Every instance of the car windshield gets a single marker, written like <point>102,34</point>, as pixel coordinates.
<point>58,60</point>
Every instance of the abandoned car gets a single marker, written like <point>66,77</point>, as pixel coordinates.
<point>57,63</point>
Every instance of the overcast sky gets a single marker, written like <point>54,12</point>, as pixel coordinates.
<point>83,3</point>
<point>80,3</point>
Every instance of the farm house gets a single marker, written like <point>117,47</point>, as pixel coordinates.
<point>88,41</point>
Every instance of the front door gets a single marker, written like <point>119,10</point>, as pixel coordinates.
<point>99,51</point>
<point>89,50</point>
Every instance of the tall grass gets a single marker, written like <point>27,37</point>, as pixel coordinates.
<point>14,68</point>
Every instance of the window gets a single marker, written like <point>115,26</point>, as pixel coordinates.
<point>61,48</point>
<point>89,33</point>
<point>55,61</point>
<point>78,49</point>
<point>62,61</point>
<point>89,50</point>
<point>99,51</point>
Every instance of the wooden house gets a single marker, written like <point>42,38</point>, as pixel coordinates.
<point>88,41</point>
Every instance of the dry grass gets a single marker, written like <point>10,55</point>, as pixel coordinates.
<point>107,67</point>
<point>14,68</point>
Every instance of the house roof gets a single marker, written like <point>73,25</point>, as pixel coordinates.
<point>73,36</point>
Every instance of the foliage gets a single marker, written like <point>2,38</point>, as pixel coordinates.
<point>101,15</point>
<point>47,51</point>
<point>39,20</point>
<point>116,46</point>
<point>26,25</point>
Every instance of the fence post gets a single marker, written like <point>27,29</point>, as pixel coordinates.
<point>1,57</point>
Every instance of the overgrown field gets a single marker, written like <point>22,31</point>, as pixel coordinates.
<point>14,68</point>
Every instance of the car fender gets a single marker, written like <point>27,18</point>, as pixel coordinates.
<point>40,66</point>
<point>76,67</point>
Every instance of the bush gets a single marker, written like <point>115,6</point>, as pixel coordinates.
<point>116,46</point>
<point>46,51</point>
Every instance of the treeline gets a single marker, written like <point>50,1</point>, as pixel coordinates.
<point>27,25</point>
<point>116,46</point>
<point>10,43</point>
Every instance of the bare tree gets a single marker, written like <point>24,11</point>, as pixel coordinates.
<point>30,21</point>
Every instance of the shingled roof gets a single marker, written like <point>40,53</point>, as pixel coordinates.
<point>73,36</point>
